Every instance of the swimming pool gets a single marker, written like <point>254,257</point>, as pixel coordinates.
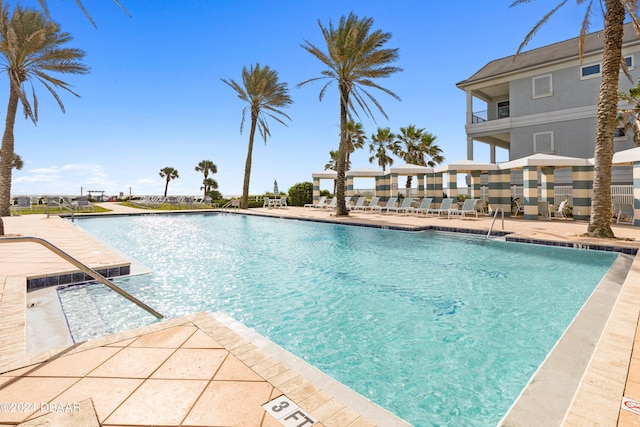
<point>440,329</point>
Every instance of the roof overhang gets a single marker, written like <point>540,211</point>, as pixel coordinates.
<point>546,160</point>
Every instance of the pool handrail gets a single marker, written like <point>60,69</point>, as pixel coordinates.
<point>495,214</point>
<point>86,269</point>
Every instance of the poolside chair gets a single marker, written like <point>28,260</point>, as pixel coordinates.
<point>445,206</point>
<point>469,206</point>
<point>320,203</point>
<point>517,207</point>
<point>625,216</point>
<point>283,202</point>
<point>359,204</point>
<point>544,209</point>
<point>406,203</point>
<point>331,204</point>
<point>390,203</point>
<point>372,204</point>
<point>424,205</point>
<point>82,203</point>
<point>22,203</point>
<point>561,210</point>
<point>266,202</point>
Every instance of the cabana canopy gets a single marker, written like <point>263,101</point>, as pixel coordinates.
<point>410,169</point>
<point>364,173</point>
<point>467,166</point>
<point>626,157</point>
<point>545,160</point>
<point>326,174</point>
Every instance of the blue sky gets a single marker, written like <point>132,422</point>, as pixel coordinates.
<point>155,98</point>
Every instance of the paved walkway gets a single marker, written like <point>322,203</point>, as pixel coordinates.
<point>134,377</point>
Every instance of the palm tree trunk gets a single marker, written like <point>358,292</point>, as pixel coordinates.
<point>244,204</point>
<point>600,219</point>
<point>6,156</point>
<point>166,186</point>
<point>341,208</point>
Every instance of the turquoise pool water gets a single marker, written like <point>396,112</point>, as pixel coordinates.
<point>441,329</point>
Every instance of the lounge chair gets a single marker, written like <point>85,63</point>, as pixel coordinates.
<point>22,203</point>
<point>390,203</point>
<point>517,207</point>
<point>359,204</point>
<point>321,202</point>
<point>372,204</point>
<point>266,202</point>
<point>469,206</point>
<point>561,210</point>
<point>283,202</point>
<point>425,204</point>
<point>406,204</point>
<point>331,204</point>
<point>544,209</point>
<point>625,215</point>
<point>445,206</point>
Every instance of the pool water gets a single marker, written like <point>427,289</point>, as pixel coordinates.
<point>439,328</point>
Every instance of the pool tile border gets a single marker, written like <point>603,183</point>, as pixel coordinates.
<point>75,278</point>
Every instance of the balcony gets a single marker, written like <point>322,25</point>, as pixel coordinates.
<point>486,115</point>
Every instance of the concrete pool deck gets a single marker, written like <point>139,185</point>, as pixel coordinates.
<point>168,349</point>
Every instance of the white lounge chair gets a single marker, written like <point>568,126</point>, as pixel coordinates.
<point>23,203</point>
<point>625,215</point>
<point>544,209</point>
<point>469,206</point>
<point>561,210</point>
<point>445,206</point>
<point>425,204</point>
<point>372,204</point>
<point>390,203</point>
<point>517,207</point>
<point>331,204</point>
<point>406,203</point>
<point>358,205</point>
<point>283,202</point>
<point>321,202</point>
<point>266,202</point>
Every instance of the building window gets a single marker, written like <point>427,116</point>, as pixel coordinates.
<point>590,70</point>
<point>619,133</point>
<point>593,70</point>
<point>542,86</point>
<point>543,142</point>
<point>503,109</point>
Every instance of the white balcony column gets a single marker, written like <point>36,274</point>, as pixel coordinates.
<point>469,108</point>
<point>492,153</point>
<point>469,148</point>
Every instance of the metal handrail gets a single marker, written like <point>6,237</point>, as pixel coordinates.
<point>86,269</point>
<point>61,206</point>
<point>495,214</point>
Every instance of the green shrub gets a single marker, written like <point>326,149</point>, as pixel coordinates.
<point>301,194</point>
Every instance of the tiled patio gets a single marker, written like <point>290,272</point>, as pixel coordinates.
<point>205,369</point>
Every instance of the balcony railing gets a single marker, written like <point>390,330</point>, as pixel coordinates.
<point>486,115</point>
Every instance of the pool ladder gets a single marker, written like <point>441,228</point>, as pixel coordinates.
<point>86,269</point>
<point>495,214</point>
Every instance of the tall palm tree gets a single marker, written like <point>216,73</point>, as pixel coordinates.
<point>168,173</point>
<point>417,147</point>
<point>355,139</point>
<point>380,146</point>
<point>31,48</point>
<point>614,15</point>
<point>264,95</point>
<point>207,167</point>
<point>355,57</point>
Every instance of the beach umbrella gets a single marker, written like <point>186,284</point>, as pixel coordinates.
<point>275,187</point>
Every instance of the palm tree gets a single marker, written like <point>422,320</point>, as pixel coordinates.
<point>208,185</point>
<point>264,94</point>
<point>18,163</point>
<point>206,167</point>
<point>169,174</point>
<point>333,165</point>
<point>31,47</point>
<point>355,57</point>
<point>629,117</point>
<point>355,139</point>
<point>415,146</point>
<point>381,144</point>
<point>614,15</point>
